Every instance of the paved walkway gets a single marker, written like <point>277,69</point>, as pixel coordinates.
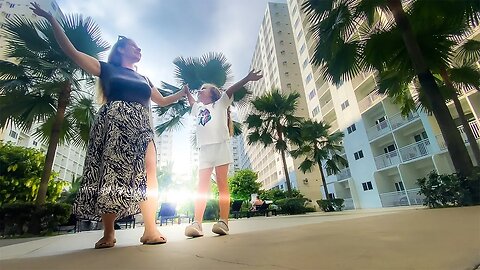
<point>395,238</point>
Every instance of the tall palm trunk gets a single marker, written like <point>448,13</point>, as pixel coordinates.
<point>284,161</point>
<point>456,148</point>
<point>461,115</point>
<point>63,100</point>
<point>324,182</point>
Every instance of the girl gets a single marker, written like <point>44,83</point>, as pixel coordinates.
<point>213,140</point>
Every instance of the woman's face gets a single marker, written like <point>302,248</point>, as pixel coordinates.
<point>131,52</point>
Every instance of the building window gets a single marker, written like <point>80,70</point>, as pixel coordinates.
<point>315,111</point>
<point>302,48</point>
<point>13,134</point>
<point>299,35</point>
<point>296,22</point>
<point>312,94</point>
<point>345,104</point>
<point>358,155</point>
<point>367,186</point>
<point>351,128</point>
<point>308,78</point>
<point>399,186</point>
<point>305,63</point>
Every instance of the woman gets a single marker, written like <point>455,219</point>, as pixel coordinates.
<point>119,176</point>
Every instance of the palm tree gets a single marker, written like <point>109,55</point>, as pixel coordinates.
<point>210,68</point>
<point>339,27</point>
<point>317,145</point>
<point>451,59</point>
<point>42,85</point>
<point>273,121</point>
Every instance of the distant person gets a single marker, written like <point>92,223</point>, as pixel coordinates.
<point>257,203</point>
<point>119,177</point>
<point>212,127</point>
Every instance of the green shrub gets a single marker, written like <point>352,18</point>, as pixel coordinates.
<point>331,205</point>
<point>450,189</point>
<point>278,194</point>
<point>291,206</point>
<point>21,218</point>
<point>20,173</point>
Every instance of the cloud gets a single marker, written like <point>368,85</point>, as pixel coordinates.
<point>166,29</point>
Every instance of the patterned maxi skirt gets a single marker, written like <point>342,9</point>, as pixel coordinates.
<point>114,176</point>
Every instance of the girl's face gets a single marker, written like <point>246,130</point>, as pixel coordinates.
<point>205,95</point>
<point>131,52</point>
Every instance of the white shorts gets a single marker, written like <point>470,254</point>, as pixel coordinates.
<point>213,155</point>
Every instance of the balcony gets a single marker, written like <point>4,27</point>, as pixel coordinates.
<point>414,197</point>
<point>474,126</point>
<point>399,198</point>
<point>387,160</point>
<point>370,100</point>
<point>378,130</point>
<point>399,120</point>
<point>416,150</point>
<point>344,174</point>
<point>327,107</point>
<point>334,126</point>
<point>396,198</point>
<point>348,204</point>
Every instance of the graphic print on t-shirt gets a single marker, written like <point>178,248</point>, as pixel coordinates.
<point>204,116</point>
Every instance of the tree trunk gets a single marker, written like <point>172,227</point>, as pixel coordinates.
<point>284,161</point>
<point>63,100</point>
<point>461,115</point>
<point>324,182</point>
<point>285,171</point>
<point>456,148</point>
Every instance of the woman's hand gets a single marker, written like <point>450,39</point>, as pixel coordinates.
<point>39,11</point>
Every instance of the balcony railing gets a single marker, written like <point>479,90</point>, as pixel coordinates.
<point>378,130</point>
<point>474,126</point>
<point>369,100</point>
<point>399,120</point>
<point>415,198</point>
<point>348,204</point>
<point>327,107</point>
<point>344,174</point>
<point>396,198</point>
<point>415,150</point>
<point>399,198</point>
<point>388,159</point>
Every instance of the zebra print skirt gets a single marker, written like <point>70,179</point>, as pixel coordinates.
<point>114,177</point>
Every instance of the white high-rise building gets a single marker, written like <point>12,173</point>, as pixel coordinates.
<point>69,159</point>
<point>276,56</point>
<point>386,151</point>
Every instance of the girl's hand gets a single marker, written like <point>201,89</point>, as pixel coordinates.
<point>254,75</point>
<point>185,89</point>
<point>39,11</point>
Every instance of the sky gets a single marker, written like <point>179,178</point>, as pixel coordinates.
<point>166,29</point>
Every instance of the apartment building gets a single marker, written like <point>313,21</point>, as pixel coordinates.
<point>386,151</point>
<point>276,56</point>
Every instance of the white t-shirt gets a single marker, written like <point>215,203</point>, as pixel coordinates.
<point>211,121</point>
